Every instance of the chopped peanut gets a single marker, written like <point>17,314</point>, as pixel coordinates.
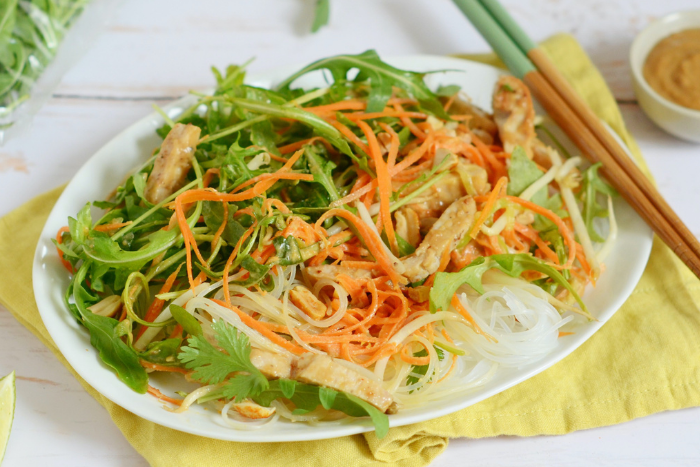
<point>307,302</point>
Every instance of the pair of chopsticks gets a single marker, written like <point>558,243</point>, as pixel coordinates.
<point>529,63</point>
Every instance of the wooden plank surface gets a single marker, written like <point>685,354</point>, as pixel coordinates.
<point>157,50</point>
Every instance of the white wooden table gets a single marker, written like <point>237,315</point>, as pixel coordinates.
<point>158,50</point>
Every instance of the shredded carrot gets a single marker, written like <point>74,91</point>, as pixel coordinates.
<point>463,311</point>
<point>347,132</point>
<point>208,175</point>
<point>419,361</point>
<point>110,227</point>
<point>499,169</point>
<point>155,392</point>
<point>157,304</point>
<point>229,261</point>
<point>417,132</point>
<point>386,113</point>
<point>221,228</point>
<point>409,160</point>
<point>262,329</point>
<point>275,176</point>
<point>157,367</point>
<point>566,233</point>
<point>384,182</point>
<point>488,207</point>
<point>59,239</point>
<point>373,243</point>
<point>565,333</point>
<point>533,235</point>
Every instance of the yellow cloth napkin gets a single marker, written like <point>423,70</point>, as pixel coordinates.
<point>645,360</point>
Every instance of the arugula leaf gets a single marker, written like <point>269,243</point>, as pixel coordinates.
<point>80,227</point>
<point>307,397</point>
<point>382,77</point>
<point>213,213</point>
<point>522,173</point>
<point>139,181</point>
<point>257,272</point>
<point>188,322</point>
<point>591,186</point>
<point>163,352</point>
<point>321,14</point>
<point>287,250</point>
<point>447,91</point>
<point>213,366</point>
<point>321,127</point>
<point>322,171</point>
<point>101,248</point>
<point>447,283</point>
<point>103,336</point>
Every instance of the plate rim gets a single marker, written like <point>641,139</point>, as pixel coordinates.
<point>49,313</point>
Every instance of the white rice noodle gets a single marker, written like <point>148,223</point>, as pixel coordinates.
<point>239,422</point>
<point>284,412</point>
<point>221,312</point>
<point>336,228</point>
<point>612,234</point>
<point>290,326</point>
<point>367,219</point>
<point>429,376</point>
<point>412,326</point>
<point>193,396</point>
<point>525,326</point>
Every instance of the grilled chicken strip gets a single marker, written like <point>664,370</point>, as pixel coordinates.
<point>435,200</point>
<point>443,237</point>
<point>329,271</point>
<point>323,371</point>
<point>173,162</point>
<point>272,365</point>
<point>481,123</point>
<point>514,114</point>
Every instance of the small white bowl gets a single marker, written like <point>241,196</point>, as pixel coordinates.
<point>678,120</point>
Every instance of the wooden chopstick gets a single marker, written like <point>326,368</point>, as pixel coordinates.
<point>578,130</point>
<point>574,101</point>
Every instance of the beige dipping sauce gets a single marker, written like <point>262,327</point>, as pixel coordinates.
<point>672,68</point>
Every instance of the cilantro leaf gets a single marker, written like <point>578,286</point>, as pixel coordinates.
<point>212,366</point>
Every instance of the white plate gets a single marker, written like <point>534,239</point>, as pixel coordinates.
<point>111,164</point>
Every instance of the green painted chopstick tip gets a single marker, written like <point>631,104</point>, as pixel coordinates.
<point>502,44</point>
<point>509,25</point>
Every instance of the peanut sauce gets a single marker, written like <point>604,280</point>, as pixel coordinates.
<point>672,68</point>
